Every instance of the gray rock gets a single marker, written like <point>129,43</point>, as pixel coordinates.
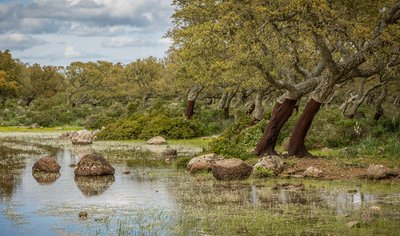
<point>353,224</point>
<point>231,169</point>
<point>202,162</point>
<point>380,172</point>
<point>158,140</point>
<point>313,172</point>
<point>269,164</point>
<point>46,164</point>
<point>93,165</point>
<point>82,137</point>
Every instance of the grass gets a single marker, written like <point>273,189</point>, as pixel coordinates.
<point>36,130</point>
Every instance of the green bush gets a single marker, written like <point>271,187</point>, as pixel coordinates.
<point>97,121</point>
<point>181,162</point>
<point>144,126</point>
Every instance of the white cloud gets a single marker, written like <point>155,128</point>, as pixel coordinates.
<point>123,41</point>
<point>71,52</point>
<point>17,41</point>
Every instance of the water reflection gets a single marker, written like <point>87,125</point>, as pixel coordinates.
<point>94,185</point>
<point>45,178</point>
<point>154,194</point>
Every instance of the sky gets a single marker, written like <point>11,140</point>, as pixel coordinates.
<point>58,32</point>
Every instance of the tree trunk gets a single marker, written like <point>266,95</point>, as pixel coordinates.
<point>258,113</point>
<point>280,115</point>
<point>227,104</point>
<point>190,109</point>
<point>222,101</point>
<point>296,142</point>
<point>192,96</point>
<point>381,99</point>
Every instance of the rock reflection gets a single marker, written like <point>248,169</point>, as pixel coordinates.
<point>94,185</point>
<point>45,178</point>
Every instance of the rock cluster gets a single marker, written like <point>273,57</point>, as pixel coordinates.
<point>81,137</point>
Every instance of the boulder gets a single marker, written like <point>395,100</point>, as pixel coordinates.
<point>158,140</point>
<point>46,164</point>
<point>313,172</point>
<point>380,172</point>
<point>93,165</point>
<point>268,164</point>
<point>202,162</point>
<point>82,137</point>
<point>67,135</point>
<point>231,169</point>
<point>353,224</point>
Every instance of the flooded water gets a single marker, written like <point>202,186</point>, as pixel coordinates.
<point>156,198</point>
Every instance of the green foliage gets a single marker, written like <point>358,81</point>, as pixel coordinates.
<point>97,121</point>
<point>262,172</point>
<point>181,162</point>
<point>144,126</point>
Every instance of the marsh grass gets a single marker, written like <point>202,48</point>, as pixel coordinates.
<point>200,205</point>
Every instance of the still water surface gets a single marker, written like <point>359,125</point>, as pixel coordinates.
<point>155,198</point>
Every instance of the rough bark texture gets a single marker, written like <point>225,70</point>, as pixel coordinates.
<point>296,142</point>
<point>381,99</point>
<point>258,113</point>
<point>227,104</point>
<point>192,96</point>
<point>280,114</point>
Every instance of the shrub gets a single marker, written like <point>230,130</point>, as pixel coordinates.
<point>97,121</point>
<point>145,126</point>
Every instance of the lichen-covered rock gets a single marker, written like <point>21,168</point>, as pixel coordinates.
<point>313,172</point>
<point>268,164</point>
<point>231,169</point>
<point>82,137</point>
<point>93,165</point>
<point>46,164</point>
<point>380,172</point>
<point>158,140</point>
<point>203,162</point>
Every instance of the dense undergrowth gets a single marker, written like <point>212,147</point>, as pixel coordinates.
<point>353,137</point>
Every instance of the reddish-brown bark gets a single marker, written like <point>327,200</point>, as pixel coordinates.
<point>299,132</point>
<point>189,109</point>
<point>280,115</point>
